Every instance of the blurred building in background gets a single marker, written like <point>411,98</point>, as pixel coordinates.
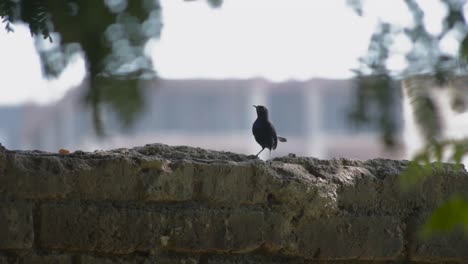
<point>213,114</point>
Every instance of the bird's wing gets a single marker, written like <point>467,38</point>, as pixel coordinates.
<point>257,131</point>
<point>274,137</point>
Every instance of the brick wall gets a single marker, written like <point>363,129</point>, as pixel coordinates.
<point>160,204</point>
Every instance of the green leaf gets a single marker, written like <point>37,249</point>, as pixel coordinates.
<point>458,153</point>
<point>438,151</point>
<point>450,215</point>
<point>464,48</point>
<point>414,174</point>
<point>425,110</point>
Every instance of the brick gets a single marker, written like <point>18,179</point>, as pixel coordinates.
<point>230,184</point>
<point>151,259</point>
<point>93,228</point>
<point>350,238</point>
<point>124,179</point>
<point>47,259</point>
<point>107,179</point>
<point>364,192</point>
<point>439,247</point>
<point>116,260</point>
<point>3,260</point>
<point>16,226</point>
<point>33,177</point>
<point>167,182</point>
<point>109,229</point>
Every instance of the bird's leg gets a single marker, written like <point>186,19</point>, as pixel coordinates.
<point>259,152</point>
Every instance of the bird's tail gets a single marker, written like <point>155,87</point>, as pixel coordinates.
<point>282,139</point>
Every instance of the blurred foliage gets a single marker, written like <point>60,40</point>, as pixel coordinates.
<point>215,3</point>
<point>428,162</point>
<point>110,34</point>
<point>377,92</point>
<point>425,110</point>
<point>426,58</point>
<point>450,216</point>
<point>428,67</point>
<point>381,90</point>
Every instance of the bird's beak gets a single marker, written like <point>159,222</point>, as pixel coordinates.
<point>255,106</point>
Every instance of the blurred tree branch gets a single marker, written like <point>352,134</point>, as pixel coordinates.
<point>111,35</point>
<point>428,67</point>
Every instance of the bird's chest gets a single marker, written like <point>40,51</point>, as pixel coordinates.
<point>261,127</point>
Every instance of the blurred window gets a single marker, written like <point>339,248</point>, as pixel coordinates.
<point>203,111</point>
<point>287,112</point>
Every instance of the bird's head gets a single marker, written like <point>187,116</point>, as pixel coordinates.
<point>261,111</point>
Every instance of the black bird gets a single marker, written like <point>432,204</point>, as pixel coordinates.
<point>263,131</point>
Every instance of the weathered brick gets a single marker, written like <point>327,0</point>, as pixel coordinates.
<point>108,179</point>
<point>217,230</point>
<point>126,230</point>
<point>47,259</point>
<point>161,181</point>
<point>230,184</point>
<point>33,177</point>
<point>151,259</point>
<point>439,247</point>
<point>102,229</point>
<point>351,238</point>
<point>16,226</point>
<point>364,192</point>
<point>293,208</point>
<point>125,179</point>
<point>108,260</point>
<point>246,230</point>
<point>3,260</point>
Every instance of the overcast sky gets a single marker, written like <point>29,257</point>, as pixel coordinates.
<point>275,39</point>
